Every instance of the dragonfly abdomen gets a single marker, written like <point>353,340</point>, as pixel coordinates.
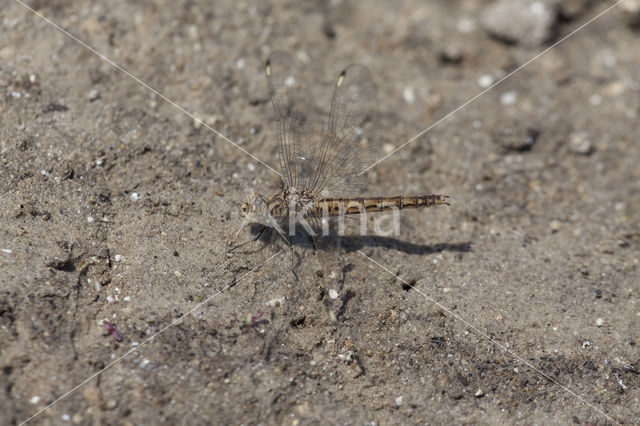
<point>357,205</point>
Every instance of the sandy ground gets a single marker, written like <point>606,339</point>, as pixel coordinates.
<point>518,304</point>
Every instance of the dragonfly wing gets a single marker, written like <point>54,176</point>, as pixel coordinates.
<point>324,157</point>
<point>299,127</point>
<point>353,137</point>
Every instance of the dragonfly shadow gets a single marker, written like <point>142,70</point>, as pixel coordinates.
<point>353,243</point>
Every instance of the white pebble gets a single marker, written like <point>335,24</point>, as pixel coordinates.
<point>118,257</point>
<point>509,98</point>
<point>586,344</point>
<point>466,25</point>
<point>599,322</point>
<point>485,81</point>
<point>144,363</point>
<point>251,167</point>
<point>134,197</point>
<point>409,95</point>
<point>399,401</point>
<point>8,251</point>
<point>126,298</point>
<point>16,95</point>
<point>134,343</point>
<point>90,219</point>
<point>109,299</point>
<point>66,417</point>
<point>595,100</point>
<point>240,64</point>
<point>35,399</point>
<point>333,294</point>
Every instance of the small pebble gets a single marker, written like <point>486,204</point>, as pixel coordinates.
<point>520,21</point>
<point>580,143</point>
<point>93,95</point>
<point>479,393</point>
<point>134,197</point>
<point>251,167</point>
<point>16,95</point>
<point>586,344</point>
<point>90,219</point>
<point>466,25</point>
<point>333,294</point>
<point>240,64</point>
<point>8,251</point>
<point>35,399</point>
<point>399,401</point>
<point>118,257</point>
<point>451,54</point>
<point>631,13</point>
<point>66,417</point>
<point>509,98</point>
<point>485,81</point>
<point>409,95</point>
<point>599,322</point>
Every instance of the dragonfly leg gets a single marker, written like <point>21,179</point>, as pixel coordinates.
<point>254,239</point>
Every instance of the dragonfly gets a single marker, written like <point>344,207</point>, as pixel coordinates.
<point>324,162</point>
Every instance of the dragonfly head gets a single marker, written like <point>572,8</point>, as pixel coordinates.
<point>255,209</point>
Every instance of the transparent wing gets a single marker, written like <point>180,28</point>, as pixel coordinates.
<point>324,156</point>
<point>352,141</point>
<point>299,127</point>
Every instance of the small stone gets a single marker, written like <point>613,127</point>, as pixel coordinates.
<point>93,95</point>
<point>35,399</point>
<point>466,25</point>
<point>399,401</point>
<point>580,143</point>
<point>118,257</point>
<point>586,344</point>
<point>479,393</point>
<point>521,21</point>
<point>451,54</point>
<point>16,95</point>
<point>631,13</point>
<point>90,219</point>
<point>409,95</point>
<point>599,322</point>
<point>555,225</point>
<point>509,98</point>
<point>66,417</point>
<point>134,197</point>
<point>77,419</point>
<point>333,294</point>
<point>111,404</point>
<point>485,81</point>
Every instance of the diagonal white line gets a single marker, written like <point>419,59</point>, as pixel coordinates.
<point>486,336</point>
<point>145,85</point>
<point>70,391</point>
<point>493,85</point>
